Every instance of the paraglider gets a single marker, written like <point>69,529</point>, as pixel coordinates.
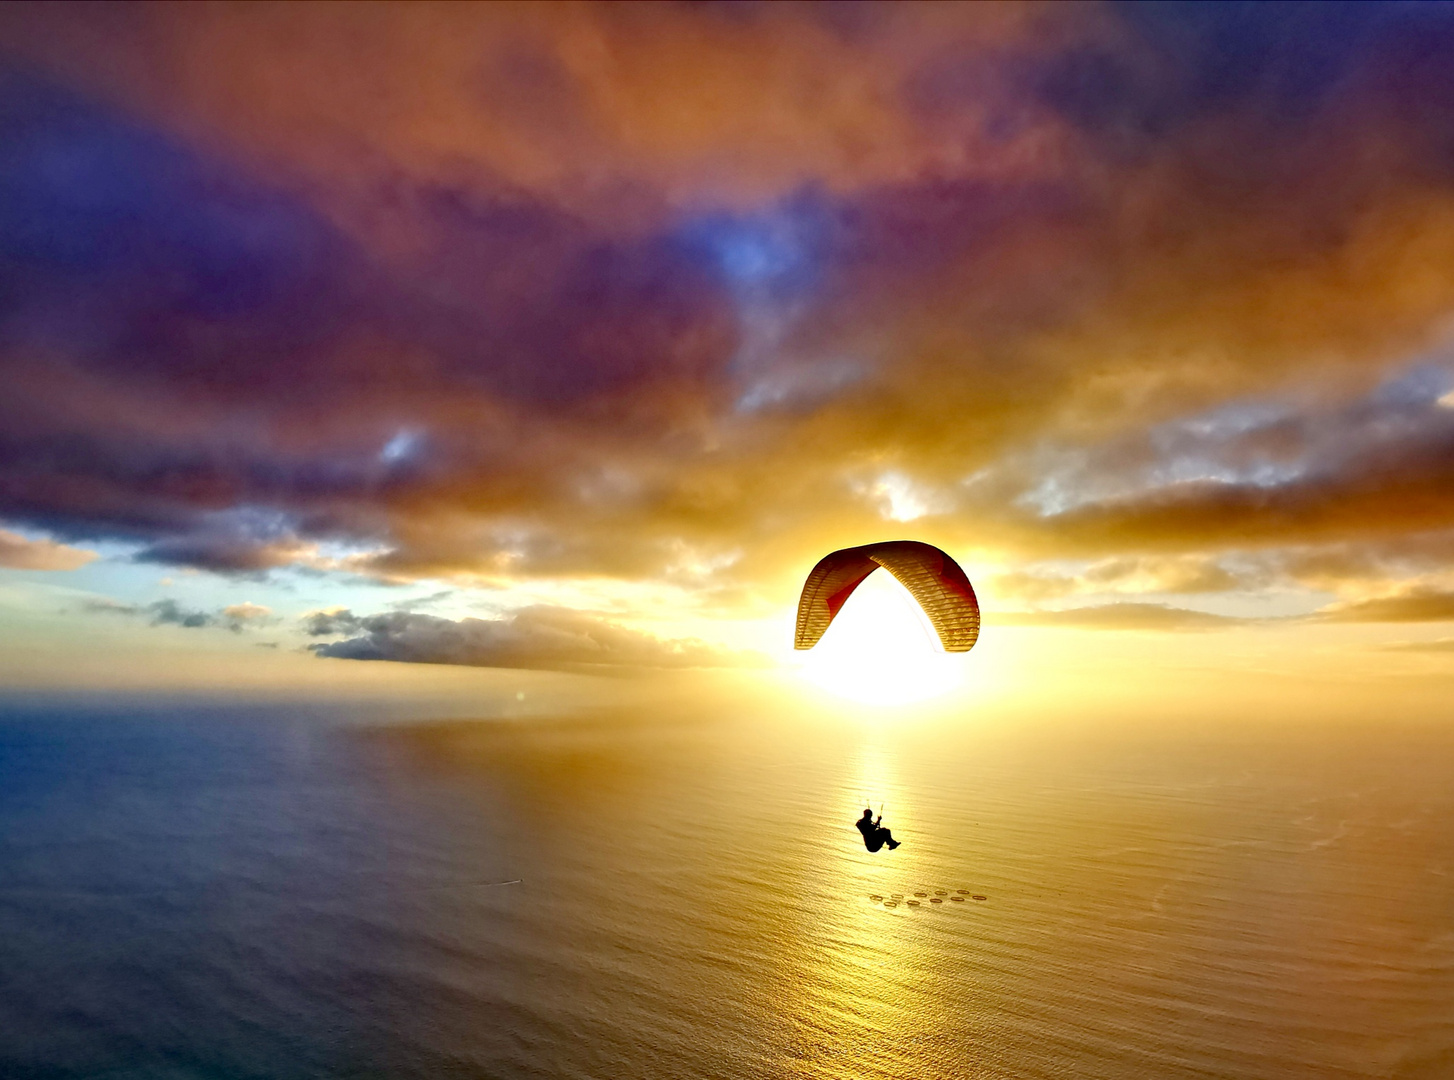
<point>932,578</point>
<point>936,581</point>
<point>875,835</point>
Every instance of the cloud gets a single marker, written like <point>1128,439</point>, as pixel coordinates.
<point>1132,299</point>
<point>246,613</point>
<point>1367,567</point>
<point>1126,574</point>
<point>170,613</point>
<point>1420,605</point>
<point>234,617</point>
<point>230,555</point>
<point>331,621</point>
<point>1122,616</point>
<point>428,600</point>
<point>547,638</point>
<point>1442,645</point>
<point>1255,473</point>
<point>18,553</point>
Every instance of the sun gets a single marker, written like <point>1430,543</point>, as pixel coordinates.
<point>882,650</point>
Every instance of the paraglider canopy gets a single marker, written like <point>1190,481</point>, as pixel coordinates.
<point>935,580</point>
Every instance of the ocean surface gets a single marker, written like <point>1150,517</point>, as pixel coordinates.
<point>190,891</point>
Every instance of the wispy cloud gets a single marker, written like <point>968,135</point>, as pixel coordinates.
<point>1442,645</point>
<point>1122,616</point>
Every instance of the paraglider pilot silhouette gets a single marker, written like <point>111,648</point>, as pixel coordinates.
<point>935,580</point>
<point>875,835</point>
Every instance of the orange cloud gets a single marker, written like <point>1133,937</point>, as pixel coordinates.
<point>18,553</point>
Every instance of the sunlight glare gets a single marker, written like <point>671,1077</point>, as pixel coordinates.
<point>882,650</point>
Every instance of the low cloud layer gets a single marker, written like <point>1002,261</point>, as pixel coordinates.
<point>1442,645</point>
<point>1425,605</point>
<point>1420,606</point>
<point>234,617</point>
<point>547,638</point>
<point>1123,616</point>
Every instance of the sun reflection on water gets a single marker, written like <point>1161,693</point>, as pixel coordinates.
<point>864,1000</point>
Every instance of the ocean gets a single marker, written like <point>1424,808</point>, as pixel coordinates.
<point>191,890</point>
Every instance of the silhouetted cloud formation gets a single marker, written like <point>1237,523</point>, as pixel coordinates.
<point>540,637</point>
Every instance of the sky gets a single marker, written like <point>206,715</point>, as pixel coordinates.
<point>372,348</point>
